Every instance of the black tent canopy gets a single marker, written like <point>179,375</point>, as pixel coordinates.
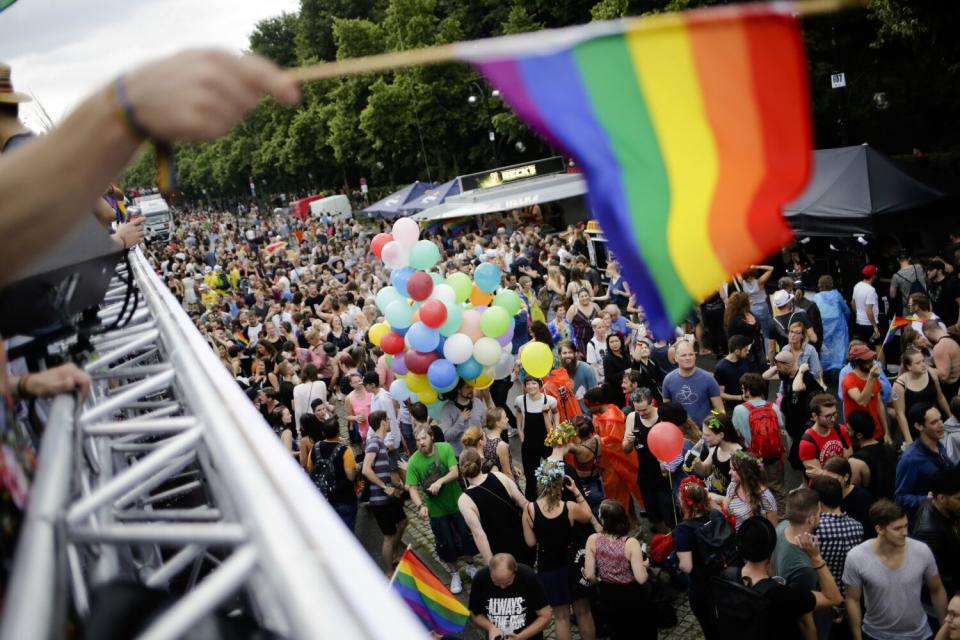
<point>853,188</point>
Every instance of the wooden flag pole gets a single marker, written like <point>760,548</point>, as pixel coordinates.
<point>449,52</point>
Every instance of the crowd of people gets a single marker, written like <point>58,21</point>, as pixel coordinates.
<point>817,472</point>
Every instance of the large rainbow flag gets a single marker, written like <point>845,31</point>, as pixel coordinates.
<point>692,129</point>
<point>433,603</point>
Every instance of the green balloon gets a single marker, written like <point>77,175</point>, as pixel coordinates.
<point>509,300</point>
<point>454,318</point>
<point>399,314</point>
<point>424,255</point>
<point>494,322</point>
<point>436,277</point>
<point>462,285</point>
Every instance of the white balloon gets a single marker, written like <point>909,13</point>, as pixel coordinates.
<point>406,232</point>
<point>486,351</point>
<point>458,348</point>
<point>444,293</point>
<point>504,366</point>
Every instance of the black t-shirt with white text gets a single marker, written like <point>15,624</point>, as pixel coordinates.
<point>512,609</point>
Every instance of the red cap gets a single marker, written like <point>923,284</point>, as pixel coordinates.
<point>869,271</point>
<point>861,352</point>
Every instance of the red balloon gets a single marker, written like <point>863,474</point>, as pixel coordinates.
<point>433,313</point>
<point>665,441</point>
<point>420,286</point>
<point>417,361</point>
<point>379,241</point>
<point>392,343</point>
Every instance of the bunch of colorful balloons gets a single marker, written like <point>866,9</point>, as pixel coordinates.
<point>437,331</point>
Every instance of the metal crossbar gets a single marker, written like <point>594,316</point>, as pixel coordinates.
<point>169,474</point>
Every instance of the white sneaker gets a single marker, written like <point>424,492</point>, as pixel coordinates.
<point>471,570</point>
<point>456,585</point>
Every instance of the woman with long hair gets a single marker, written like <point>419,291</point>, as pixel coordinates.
<point>493,449</point>
<point>554,288</point>
<point>739,320</point>
<point>801,350</point>
<point>616,361</point>
<point>714,456</point>
<point>492,506</point>
<point>356,406</point>
<point>651,375</point>
<point>753,283</point>
<point>580,315</point>
<point>615,560</point>
<point>747,495</point>
<point>578,282</point>
<point>915,385</point>
<point>548,524</point>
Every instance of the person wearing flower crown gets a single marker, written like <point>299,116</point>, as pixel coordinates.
<point>549,524</point>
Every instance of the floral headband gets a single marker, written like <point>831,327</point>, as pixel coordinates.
<point>560,435</point>
<point>687,482</point>
<point>547,471</point>
<point>713,420</point>
<point>743,454</point>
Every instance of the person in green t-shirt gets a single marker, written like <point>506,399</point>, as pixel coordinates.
<point>432,479</point>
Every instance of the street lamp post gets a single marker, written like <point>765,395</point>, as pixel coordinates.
<point>474,85</point>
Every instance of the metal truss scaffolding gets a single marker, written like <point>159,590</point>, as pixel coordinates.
<point>169,477</point>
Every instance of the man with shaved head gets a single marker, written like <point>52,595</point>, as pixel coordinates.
<point>507,601</point>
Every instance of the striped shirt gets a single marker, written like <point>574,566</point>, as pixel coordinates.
<point>381,467</point>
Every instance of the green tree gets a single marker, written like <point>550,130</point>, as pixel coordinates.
<point>275,38</point>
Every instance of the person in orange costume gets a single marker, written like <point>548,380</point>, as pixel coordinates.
<point>618,469</point>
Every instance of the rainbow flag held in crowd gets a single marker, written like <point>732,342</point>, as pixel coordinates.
<point>274,247</point>
<point>433,603</point>
<point>692,129</point>
<point>896,325</point>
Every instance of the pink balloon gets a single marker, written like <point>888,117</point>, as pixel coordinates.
<point>665,441</point>
<point>470,325</point>
<point>395,255</point>
<point>406,232</point>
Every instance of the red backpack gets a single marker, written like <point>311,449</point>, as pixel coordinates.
<point>765,442</point>
<point>559,385</point>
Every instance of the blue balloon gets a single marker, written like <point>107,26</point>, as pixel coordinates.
<point>449,387</point>
<point>470,369</point>
<point>402,331</point>
<point>441,373</point>
<point>487,277</point>
<point>423,338</point>
<point>399,278</point>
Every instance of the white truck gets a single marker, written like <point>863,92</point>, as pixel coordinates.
<point>158,220</point>
<point>337,207</point>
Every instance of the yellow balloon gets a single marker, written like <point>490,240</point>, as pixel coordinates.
<point>537,359</point>
<point>377,331</point>
<point>427,397</point>
<point>481,382</point>
<point>418,383</point>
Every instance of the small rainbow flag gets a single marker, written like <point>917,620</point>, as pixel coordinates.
<point>273,247</point>
<point>439,610</point>
<point>692,129</point>
<point>896,325</point>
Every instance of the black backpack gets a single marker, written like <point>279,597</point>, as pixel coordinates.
<point>716,545</point>
<point>324,474</point>
<point>742,606</point>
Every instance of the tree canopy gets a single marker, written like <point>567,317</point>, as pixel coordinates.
<point>900,57</point>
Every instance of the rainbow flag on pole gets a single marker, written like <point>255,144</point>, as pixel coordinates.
<point>896,325</point>
<point>439,610</point>
<point>692,129</point>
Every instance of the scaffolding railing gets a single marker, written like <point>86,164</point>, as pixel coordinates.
<point>168,475</point>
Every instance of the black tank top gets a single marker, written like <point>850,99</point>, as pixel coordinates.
<point>928,394</point>
<point>553,538</point>
<point>499,515</point>
<point>535,429</point>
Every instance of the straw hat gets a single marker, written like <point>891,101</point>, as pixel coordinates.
<point>7,94</point>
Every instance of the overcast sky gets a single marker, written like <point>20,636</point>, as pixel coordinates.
<point>63,50</point>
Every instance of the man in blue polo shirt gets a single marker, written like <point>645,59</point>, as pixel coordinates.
<point>922,459</point>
